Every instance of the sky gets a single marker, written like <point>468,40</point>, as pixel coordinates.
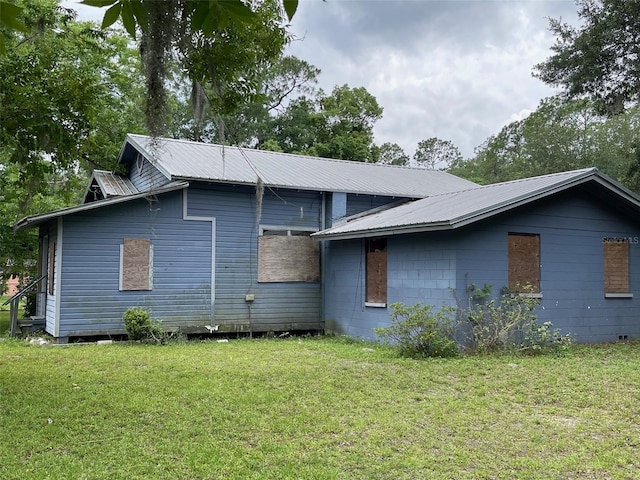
<point>459,70</point>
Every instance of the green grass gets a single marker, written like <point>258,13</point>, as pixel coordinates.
<point>314,409</point>
<point>4,317</point>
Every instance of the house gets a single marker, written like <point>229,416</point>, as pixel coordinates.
<point>572,236</point>
<point>214,238</point>
<point>207,237</point>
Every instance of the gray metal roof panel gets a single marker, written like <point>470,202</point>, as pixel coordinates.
<point>35,220</point>
<point>455,209</point>
<point>114,185</point>
<point>183,159</point>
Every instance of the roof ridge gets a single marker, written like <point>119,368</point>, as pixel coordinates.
<point>296,155</point>
<point>518,180</point>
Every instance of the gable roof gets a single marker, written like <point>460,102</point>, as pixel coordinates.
<point>35,220</point>
<point>187,160</point>
<point>456,209</point>
<point>105,184</point>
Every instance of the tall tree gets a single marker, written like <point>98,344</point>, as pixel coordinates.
<point>600,58</point>
<point>558,136</point>
<point>436,153</point>
<point>68,95</point>
<point>392,154</point>
<point>339,125</point>
<point>216,43</point>
<point>250,124</point>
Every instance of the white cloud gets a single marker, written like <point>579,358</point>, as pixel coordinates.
<point>456,70</point>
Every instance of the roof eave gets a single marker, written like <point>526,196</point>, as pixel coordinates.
<point>592,175</point>
<point>36,220</point>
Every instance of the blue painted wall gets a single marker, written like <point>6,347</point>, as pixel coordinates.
<point>419,269</point>
<point>91,302</point>
<point>277,306</point>
<point>436,268</point>
<point>360,203</point>
<point>571,229</point>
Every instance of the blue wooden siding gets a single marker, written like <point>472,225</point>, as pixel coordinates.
<point>277,306</point>
<point>91,302</point>
<point>436,268</point>
<point>360,203</point>
<point>50,311</point>
<point>145,176</point>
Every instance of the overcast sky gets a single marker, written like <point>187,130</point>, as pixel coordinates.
<point>458,70</point>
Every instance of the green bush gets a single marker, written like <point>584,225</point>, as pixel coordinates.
<point>140,326</point>
<point>543,338</point>
<point>417,332</point>
<point>508,323</point>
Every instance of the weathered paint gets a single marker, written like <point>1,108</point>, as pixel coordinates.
<point>571,228</point>
<point>360,203</point>
<point>276,306</point>
<point>436,268</point>
<point>143,173</point>
<point>90,301</point>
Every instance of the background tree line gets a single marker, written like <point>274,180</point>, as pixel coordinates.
<point>70,91</point>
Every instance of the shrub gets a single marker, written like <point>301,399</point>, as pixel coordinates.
<point>542,338</point>
<point>140,326</point>
<point>508,323</point>
<point>416,331</point>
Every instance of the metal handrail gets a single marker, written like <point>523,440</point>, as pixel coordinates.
<point>26,289</point>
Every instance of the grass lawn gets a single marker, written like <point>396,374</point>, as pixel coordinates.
<point>4,317</point>
<point>314,409</point>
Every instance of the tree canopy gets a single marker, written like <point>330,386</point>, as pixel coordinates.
<point>559,136</point>
<point>218,44</point>
<point>68,96</point>
<point>600,58</point>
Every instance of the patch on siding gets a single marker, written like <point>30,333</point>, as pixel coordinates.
<point>288,259</point>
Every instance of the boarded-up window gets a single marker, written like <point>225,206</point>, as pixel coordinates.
<point>376,271</point>
<point>524,262</point>
<point>136,264</point>
<point>616,265</point>
<point>51,268</point>
<point>288,256</point>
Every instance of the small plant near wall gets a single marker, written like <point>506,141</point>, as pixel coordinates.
<point>508,323</point>
<point>140,326</point>
<point>417,331</point>
<point>543,338</point>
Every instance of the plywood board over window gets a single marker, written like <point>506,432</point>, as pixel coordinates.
<point>616,265</point>
<point>524,261</point>
<point>136,264</point>
<point>376,271</point>
<point>288,257</point>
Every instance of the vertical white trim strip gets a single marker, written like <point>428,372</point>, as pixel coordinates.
<point>195,218</point>
<point>57,278</point>
<point>121,271</point>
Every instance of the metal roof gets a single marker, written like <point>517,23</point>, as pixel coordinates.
<point>35,220</point>
<point>453,210</point>
<point>110,185</point>
<point>186,160</point>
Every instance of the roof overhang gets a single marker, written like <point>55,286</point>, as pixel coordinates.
<point>36,220</point>
<point>591,176</point>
